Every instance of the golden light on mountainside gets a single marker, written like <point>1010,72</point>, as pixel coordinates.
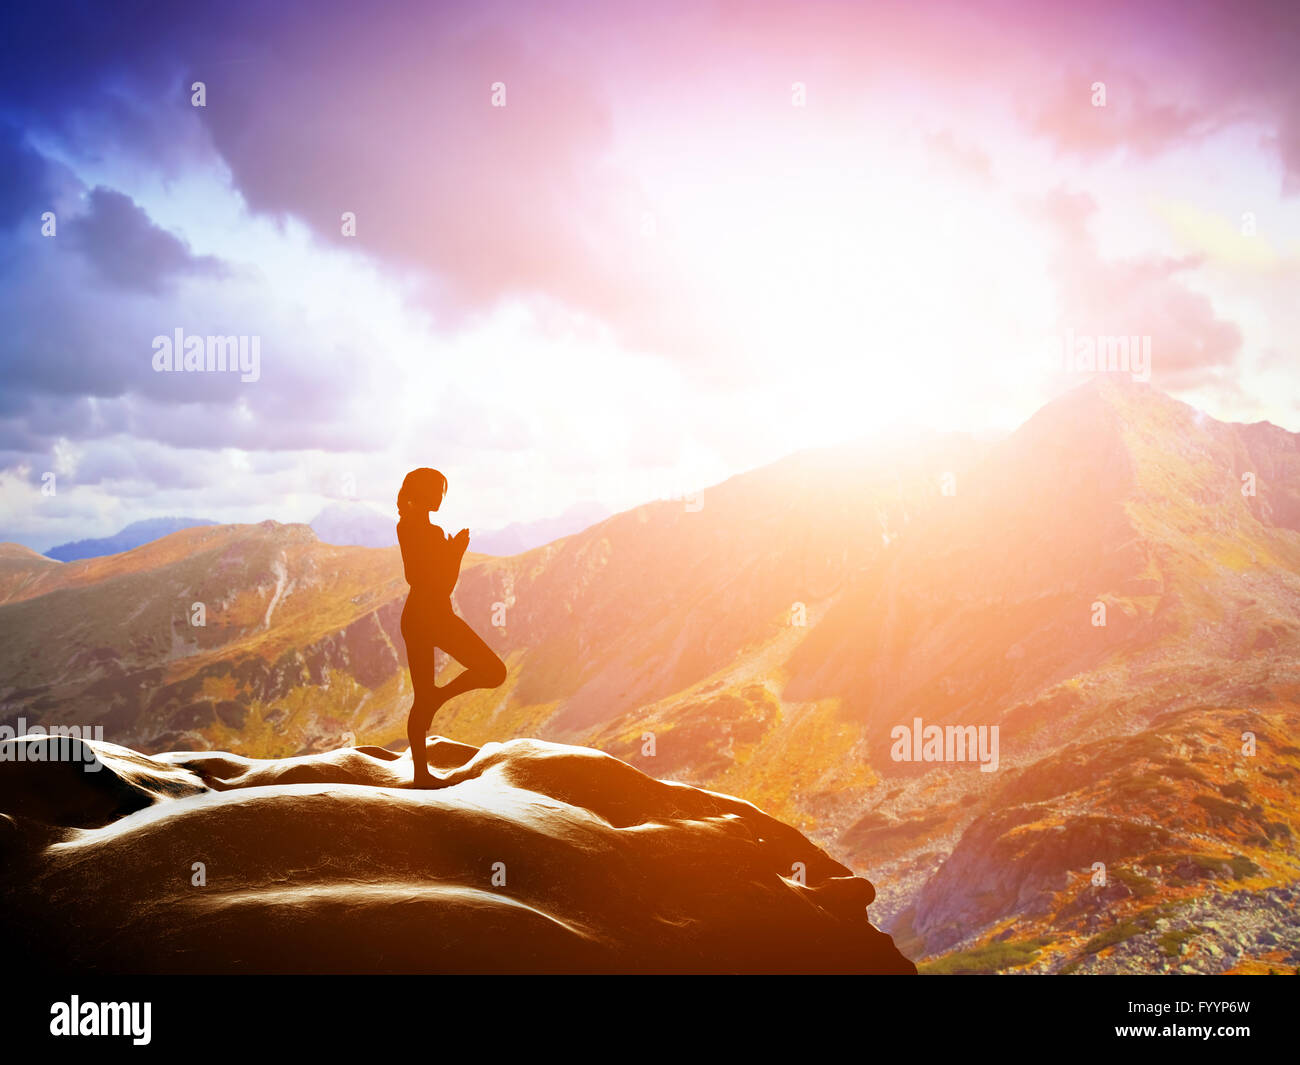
<point>771,635</point>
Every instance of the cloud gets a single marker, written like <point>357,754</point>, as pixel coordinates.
<point>1132,117</point>
<point>27,186</point>
<point>1175,73</point>
<point>964,157</point>
<point>128,250</point>
<point>317,112</point>
<point>1145,295</point>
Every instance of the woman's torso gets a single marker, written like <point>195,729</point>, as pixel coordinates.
<point>427,563</point>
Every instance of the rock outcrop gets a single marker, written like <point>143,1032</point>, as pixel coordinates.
<point>529,857</point>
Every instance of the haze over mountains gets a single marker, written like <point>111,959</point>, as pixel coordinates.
<point>1115,586</point>
<point>359,525</point>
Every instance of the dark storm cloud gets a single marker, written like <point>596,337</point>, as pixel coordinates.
<point>81,310</point>
<point>320,109</point>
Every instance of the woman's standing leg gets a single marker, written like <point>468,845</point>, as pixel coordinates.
<point>422,660</point>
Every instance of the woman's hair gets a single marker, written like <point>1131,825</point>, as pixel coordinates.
<point>417,488</point>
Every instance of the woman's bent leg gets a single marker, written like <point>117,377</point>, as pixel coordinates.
<point>483,668</point>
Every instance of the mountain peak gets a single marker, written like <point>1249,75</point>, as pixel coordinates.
<point>1115,390</point>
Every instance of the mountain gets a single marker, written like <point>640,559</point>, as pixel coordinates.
<point>1170,848</point>
<point>133,535</point>
<point>1114,495</point>
<point>20,567</point>
<point>1120,570</point>
<point>356,524</point>
<point>214,631</point>
<point>518,537</point>
<point>321,864</point>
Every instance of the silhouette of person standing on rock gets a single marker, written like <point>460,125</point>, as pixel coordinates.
<point>431,562</point>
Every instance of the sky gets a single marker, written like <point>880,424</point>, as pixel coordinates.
<point>612,251</point>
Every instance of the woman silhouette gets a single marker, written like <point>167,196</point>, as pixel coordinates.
<point>431,562</point>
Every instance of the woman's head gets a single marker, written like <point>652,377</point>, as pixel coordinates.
<point>422,491</point>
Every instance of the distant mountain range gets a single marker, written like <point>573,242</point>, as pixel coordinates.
<point>128,538</point>
<point>1115,586</point>
<point>349,524</point>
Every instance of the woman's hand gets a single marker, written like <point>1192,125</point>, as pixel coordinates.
<point>461,539</point>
